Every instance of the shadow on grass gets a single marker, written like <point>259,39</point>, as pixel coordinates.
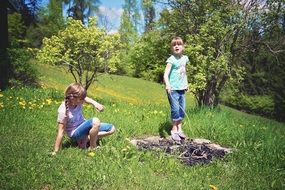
<point>68,143</point>
<point>164,129</point>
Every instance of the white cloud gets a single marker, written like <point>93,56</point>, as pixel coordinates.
<point>109,18</point>
<point>116,12</point>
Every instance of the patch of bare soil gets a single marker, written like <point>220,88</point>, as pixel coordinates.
<point>189,151</point>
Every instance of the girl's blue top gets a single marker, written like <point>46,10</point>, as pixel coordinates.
<point>177,76</point>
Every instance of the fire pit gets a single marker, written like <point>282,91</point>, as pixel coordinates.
<point>189,151</point>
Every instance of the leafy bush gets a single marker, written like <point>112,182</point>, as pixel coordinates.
<point>17,30</point>
<point>261,105</point>
<point>24,74</point>
<point>148,57</point>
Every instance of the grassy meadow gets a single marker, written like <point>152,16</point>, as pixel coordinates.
<point>137,108</point>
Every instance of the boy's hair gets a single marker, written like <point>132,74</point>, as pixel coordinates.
<point>176,40</point>
<point>74,90</point>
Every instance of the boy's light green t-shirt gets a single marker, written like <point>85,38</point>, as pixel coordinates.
<point>177,76</point>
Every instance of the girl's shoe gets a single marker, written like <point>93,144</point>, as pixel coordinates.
<point>181,134</point>
<point>175,136</point>
<point>93,149</point>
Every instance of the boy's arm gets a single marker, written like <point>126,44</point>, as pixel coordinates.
<point>59,137</point>
<point>166,77</point>
<point>99,107</point>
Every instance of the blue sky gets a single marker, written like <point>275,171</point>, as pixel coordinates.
<point>112,3</point>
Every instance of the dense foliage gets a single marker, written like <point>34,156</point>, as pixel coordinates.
<point>50,21</point>
<point>147,57</point>
<point>22,71</point>
<point>264,61</point>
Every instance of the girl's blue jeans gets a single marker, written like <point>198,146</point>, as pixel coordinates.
<point>177,104</point>
<point>83,129</point>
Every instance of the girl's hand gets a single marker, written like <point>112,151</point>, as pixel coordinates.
<point>168,89</point>
<point>99,107</point>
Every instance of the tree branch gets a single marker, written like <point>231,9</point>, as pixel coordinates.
<point>70,67</point>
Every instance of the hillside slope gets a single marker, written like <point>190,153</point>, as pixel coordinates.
<point>112,87</point>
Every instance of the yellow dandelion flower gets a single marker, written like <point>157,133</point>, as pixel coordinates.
<point>213,187</point>
<point>49,101</point>
<point>22,103</point>
<point>1,95</point>
<point>43,86</point>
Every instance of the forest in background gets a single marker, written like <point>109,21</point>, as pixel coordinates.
<point>236,48</point>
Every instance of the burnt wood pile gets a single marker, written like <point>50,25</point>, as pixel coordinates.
<point>189,151</point>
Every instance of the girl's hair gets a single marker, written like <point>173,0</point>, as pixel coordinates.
<point>74,90</point>
<point>176,41</point>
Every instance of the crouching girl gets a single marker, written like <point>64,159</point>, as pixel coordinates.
<point>72,122</point>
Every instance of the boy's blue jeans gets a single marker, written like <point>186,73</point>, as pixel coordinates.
<point>83,129</point>
<point>177,104</point>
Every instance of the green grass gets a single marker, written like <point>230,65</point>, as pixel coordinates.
<point>137,108</point>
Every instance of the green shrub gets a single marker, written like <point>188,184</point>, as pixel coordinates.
<point>261,105</point>
<point>279,101</point>
<point>23,72</point>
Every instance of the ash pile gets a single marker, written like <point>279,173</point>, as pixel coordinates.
<point>189,151</point>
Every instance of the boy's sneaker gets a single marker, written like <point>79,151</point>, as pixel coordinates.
<point>175,136</point>
<point>181,134</point>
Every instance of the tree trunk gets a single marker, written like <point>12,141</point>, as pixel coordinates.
<point>208,97</point>
<point>5,66</point>
<point>3,25</point>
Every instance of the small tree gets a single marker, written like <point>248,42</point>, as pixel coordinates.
<point>81,48</point>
